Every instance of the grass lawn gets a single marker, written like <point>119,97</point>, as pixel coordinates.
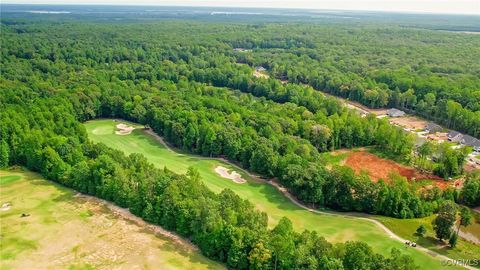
<point>264,196</point>
<point>333,158</point>
<point>406,228</point>
<point>64,231</point>
<point>474,228</point>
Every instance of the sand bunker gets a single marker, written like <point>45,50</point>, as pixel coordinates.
<point>5,207</point>
<point>234,176</point>
<point>124,129</point>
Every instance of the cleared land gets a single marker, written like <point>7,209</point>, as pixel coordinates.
<point>66,231</point>
<point>266,197</point>
<point>378,168</point>
<point>410,122</point>
<point>358,106</point>
<point>363,108</point>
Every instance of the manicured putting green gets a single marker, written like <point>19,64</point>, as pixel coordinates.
<point>264,196</point>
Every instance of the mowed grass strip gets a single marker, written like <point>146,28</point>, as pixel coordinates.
<point>64,231</point>
<point>264,196</point>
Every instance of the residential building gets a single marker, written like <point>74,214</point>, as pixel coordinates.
<point>454,136</point>
<point>471,141</point>
<point>395,112</point>
<point>432,128</point>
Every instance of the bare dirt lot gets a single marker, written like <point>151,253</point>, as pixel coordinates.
<point>358,106</point>
<point>438,136</point>
<point>379,168</point>
<point>410,122</point>
<point>361,107</point>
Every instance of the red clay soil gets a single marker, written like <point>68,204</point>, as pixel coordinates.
<point>379,168</point>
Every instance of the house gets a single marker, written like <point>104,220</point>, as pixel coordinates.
<point>471,141</point>
<point>260,69</point>
<point>432,128</point>
<point>454,136</point>
<point>395,113</point>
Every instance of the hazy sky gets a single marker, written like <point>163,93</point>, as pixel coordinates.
<point>430,6</point>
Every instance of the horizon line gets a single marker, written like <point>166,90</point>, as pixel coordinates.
<point>247,7</point>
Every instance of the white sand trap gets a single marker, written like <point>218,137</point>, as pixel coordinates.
<point>5,207</point>
<point>124,129</point>
<point>234,176</point>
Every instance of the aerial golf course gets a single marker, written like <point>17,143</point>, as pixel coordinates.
<point>266,197</point>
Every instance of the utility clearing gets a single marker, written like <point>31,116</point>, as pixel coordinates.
<point>48,226</point>
<point>265,197</point>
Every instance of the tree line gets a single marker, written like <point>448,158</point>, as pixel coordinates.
<point>40,130</point>
<point>436,80</point>
<point>279,134</point>
<point>55,77</point>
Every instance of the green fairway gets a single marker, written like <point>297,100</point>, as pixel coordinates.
<point>264,196</point>
<point>46,226</point>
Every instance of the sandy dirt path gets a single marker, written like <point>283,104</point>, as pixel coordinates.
<point>469,236</point>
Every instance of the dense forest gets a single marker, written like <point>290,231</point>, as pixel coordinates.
<point>195,90</point>
<point>431,74</point>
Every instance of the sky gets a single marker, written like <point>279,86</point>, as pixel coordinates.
<point>423,6</point>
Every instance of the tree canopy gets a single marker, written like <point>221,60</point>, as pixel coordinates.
<point>186,82</point>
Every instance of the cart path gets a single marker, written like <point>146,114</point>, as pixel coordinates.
<point>360,216</point>
<point>287,194</point>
